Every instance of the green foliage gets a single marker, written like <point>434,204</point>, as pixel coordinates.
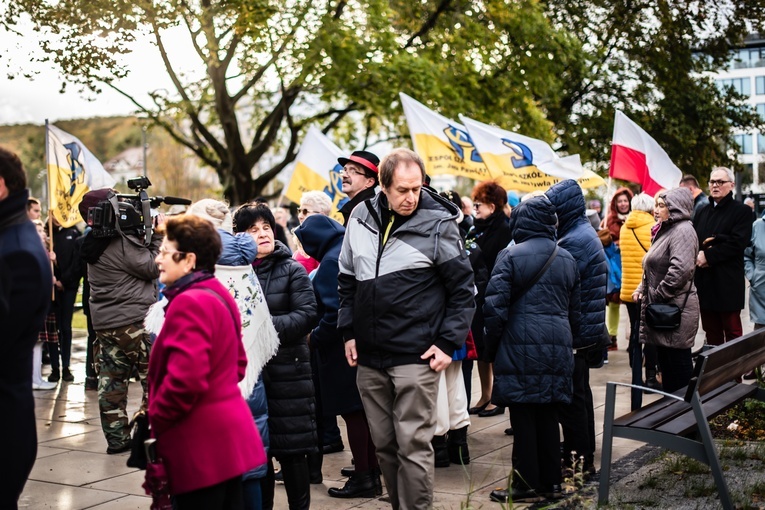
<point>649,59</point>
<point>555,69</point>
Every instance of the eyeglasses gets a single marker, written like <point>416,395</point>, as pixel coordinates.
<point>352,171</point>
<point>164,251</point>
<point>717,183</point>
<point>306,212</point>
<point>477,205</point>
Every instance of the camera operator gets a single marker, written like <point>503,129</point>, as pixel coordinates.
<point>123,285</point>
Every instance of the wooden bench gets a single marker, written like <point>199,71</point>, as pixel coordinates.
<point>680,421</point>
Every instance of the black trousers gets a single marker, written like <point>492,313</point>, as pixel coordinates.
<point>676,367</point>
<point>536,450</point>
<point>578,418</point>
<point>223,496</point>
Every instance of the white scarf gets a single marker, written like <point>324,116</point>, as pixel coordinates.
<point>258,333</point>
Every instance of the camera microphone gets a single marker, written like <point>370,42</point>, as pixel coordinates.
<point>175,201</point>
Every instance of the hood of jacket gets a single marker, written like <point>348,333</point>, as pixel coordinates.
<point>318,234</point>
<point>679,203</point>
<point>621,191</point>
<point>637,219</point>
<point>533,218</point>
<point>568,200</point>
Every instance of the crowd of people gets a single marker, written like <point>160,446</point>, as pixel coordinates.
<point>251,332</point>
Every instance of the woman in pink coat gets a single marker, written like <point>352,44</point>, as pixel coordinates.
<point>205,434</point>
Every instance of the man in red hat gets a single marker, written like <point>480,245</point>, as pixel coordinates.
<point>359,179</point>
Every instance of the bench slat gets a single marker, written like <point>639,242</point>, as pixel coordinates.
<point>651,417</point>
<point>686,423</point>
<point>731,360</point>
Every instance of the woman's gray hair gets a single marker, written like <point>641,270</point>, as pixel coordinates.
<point>728,171</point>
<point>214,211</point>
<point>318,201</point>
<point>643,202</point>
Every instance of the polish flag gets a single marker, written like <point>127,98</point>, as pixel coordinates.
<point>636,157</point>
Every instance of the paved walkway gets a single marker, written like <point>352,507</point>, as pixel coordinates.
<point>73,470</point>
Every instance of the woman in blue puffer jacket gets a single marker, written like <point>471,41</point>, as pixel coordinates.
<point>529,332</point>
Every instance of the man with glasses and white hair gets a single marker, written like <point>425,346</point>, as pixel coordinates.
<point>360,176</point>
<point>724,227</point>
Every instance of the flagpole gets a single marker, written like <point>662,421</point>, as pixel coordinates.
<point>50,208</point>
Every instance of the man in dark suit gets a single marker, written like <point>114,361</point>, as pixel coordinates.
<point>724,228</point>
<point>25,290</point>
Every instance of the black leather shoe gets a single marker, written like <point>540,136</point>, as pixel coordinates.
<point>113,450</point>
<point>91,383</point>
<point>333,447</point>
<point>509,431</point>
<point>360,485</point>
<point>66,375</point>
<point>348,471</point>
<point>555,493</point>
<point>55,375</point>
<point>477,409</point>
<point>517,496</point>
<point>497,411</point>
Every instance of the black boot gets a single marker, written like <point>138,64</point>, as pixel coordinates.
<point>360,485</point>
<point>315,461</point>
<point>650,379</point>
<point>296,481</point>
<point>441,451</point>
<point>458,446</point>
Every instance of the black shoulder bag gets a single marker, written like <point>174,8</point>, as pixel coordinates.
<point>664,316</point>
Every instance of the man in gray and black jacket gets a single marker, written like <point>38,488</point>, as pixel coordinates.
<point>406,302</point>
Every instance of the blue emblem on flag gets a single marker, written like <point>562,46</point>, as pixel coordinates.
<point>462,144</point>
<point>74,165</point>
<point>522,155</point>
<point>335,188</point>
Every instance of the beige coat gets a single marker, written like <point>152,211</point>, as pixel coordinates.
<point>669,267</point>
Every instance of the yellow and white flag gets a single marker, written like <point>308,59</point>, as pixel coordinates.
<point>72,171</point>
<point>316,169</point>
<point>444,145</point>
<point>521,163</point>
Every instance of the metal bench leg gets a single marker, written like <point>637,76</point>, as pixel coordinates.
<point>608,439</point>
<point>712,455</point>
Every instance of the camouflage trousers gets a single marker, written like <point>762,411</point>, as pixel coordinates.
<point>116,352</point>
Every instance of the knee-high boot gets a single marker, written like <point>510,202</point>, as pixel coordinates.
<point>296,481</point>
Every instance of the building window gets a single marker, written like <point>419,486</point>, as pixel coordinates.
<point>744,143</point>
<point>759,85</point>
<point>740,85</point>
<point>761,143</point>
<point>761,111</point>
<point>746,58</point>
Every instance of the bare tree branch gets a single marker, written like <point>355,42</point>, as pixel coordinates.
<point>201,151</point>
<point>430,23</point>
<point>188,105</point>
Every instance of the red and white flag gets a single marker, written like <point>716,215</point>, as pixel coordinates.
<point>636,157</point>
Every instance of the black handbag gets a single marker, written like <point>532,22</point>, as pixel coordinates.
<point>140,433</point>
<point>664,316</point>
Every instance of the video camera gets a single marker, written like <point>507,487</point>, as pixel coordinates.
<point>130,214</point>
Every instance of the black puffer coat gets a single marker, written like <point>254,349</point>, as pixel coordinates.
<point>576,235</point>
<point>287,376</point>
<point>533,336</point>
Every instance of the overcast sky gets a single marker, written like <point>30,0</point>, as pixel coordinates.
<point>32,101</point>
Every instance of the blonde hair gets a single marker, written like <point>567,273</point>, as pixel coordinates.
<point>214,211</point>
<point>317,200</point>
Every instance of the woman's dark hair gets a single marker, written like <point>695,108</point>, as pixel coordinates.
<point>489,192</point>
<point>249,214</point>
<point>195,235</point>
